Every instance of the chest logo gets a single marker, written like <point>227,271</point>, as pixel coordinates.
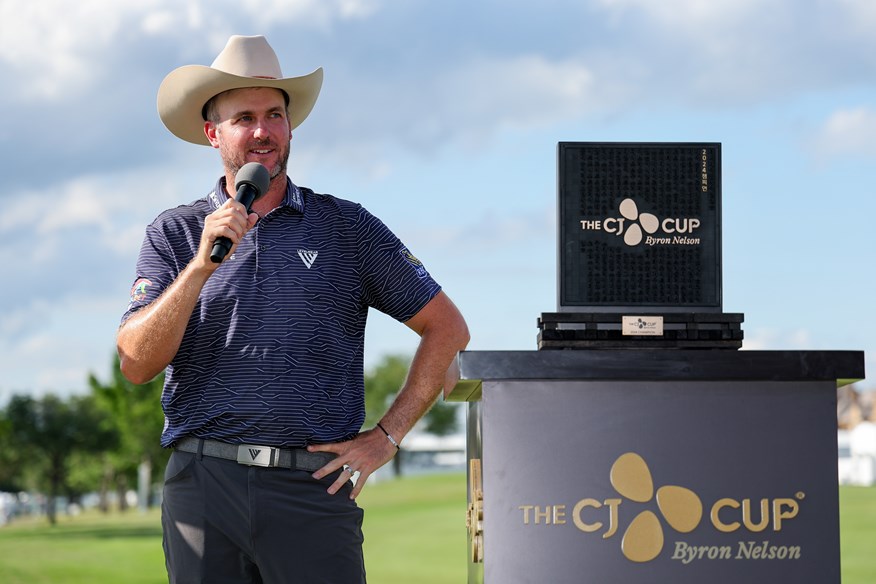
<point>308,257</point>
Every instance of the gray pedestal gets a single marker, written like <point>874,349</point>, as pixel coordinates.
<point>653,466</point>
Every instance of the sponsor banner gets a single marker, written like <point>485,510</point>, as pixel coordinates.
<point>641,482</point>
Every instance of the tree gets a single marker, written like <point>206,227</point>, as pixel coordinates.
<point>381,386</point>
<point>139,421</point>
<point>383,383</point>
<point>11,461</point>
<point>47,433</point>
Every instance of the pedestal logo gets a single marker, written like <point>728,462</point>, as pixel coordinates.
<point>680,510</point>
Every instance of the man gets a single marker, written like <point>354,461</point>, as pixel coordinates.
<point>264,350</point>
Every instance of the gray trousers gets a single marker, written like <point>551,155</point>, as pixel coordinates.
<point>229,523</point>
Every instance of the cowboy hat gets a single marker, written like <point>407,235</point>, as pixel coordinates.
<point>246,61</point>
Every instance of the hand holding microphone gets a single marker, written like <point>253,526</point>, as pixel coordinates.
<point>251,182</point>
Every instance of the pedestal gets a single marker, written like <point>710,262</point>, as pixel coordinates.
<point>645,466</point>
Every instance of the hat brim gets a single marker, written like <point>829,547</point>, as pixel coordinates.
<point>183,93</point>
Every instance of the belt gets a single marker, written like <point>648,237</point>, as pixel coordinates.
<point>257,455</point>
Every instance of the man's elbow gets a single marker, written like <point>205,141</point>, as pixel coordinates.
<point>441,320</point>
<point>463,336</point>
<point>134,372</point>
<point>130,373</point>
<point>455,326</point>
<point>456,332</point>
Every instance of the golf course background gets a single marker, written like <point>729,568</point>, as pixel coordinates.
<point>414,533</point>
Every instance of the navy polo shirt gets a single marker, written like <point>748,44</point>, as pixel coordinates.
<point>273,351</point>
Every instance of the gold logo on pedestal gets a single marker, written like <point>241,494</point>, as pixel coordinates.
<point>680,507</point>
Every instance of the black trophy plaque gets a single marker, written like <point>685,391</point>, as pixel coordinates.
<point>639,227</point>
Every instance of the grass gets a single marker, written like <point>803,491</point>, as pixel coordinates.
<point>90,549</point>
<point>858,534</point>
<point>414,531</point>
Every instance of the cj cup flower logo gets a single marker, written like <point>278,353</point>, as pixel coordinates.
<point>681,508</point>
<point>639,222</point>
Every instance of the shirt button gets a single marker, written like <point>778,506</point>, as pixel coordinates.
<point>263,247</point>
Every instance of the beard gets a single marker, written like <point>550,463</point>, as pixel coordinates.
<point>233,161</point>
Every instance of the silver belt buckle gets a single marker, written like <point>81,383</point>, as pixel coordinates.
<point>255,455</point>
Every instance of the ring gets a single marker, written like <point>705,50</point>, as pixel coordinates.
<point>350,470</point>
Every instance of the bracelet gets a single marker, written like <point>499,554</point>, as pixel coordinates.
<point>389,437</point>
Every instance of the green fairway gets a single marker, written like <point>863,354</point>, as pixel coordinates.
<point>414,531</point>
<point>858,534</point>
<point>91,549</point>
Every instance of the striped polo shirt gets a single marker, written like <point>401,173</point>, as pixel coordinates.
<point>273,351</point>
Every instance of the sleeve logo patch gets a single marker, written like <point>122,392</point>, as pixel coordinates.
<point>412,259</point>
<point>138,291</point>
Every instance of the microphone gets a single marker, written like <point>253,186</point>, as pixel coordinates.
<point>251,182</point>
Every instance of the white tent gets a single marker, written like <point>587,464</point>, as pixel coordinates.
<point>857,455</point>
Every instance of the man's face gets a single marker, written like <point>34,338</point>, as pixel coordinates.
<point>253,127</point>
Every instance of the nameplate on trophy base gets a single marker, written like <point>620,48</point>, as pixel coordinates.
<point>642,326</point>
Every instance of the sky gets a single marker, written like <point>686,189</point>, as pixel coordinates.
<point>443,119</point>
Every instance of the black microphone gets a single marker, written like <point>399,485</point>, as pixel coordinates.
<point>251,182</point>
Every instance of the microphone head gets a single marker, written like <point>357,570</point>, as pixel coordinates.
<point>254,174</point>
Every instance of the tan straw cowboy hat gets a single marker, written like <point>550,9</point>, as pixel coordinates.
<point>246,61</point>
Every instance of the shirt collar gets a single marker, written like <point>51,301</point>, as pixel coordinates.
<point>294,198</point>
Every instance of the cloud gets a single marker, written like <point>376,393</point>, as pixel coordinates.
<point>89,72</point>
<point>457,104</point>
<point>489,232</point>
<point>847,133</point>
<point>764,339</point>
<point>76,242</point>
<point>725,53</point>
<point>51,46</point>
<point>604,58</point>
<point>50,345</point>
<point>408,85</point>
<point>106,204</point>
<point>860,15</point>
<point>393,78</point>
<point>698,18</point>
<point>61,48</point>
<point>521,91</point>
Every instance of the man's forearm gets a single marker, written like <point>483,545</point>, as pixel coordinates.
<point>443,336</point>
<point>443,333</point>
<point>150,338</point>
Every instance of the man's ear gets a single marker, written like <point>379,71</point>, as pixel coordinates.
<point>211,131</point>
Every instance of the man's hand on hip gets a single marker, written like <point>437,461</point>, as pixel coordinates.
<point>364,454</point>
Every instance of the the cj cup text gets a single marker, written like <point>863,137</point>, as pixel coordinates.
<point>726,515</point>
<point>635,226</point>
<point>670,225</point>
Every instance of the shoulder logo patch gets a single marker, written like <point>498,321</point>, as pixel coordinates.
<point>412,259</point>
<point>308,257</point>
<point>138,291</point>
